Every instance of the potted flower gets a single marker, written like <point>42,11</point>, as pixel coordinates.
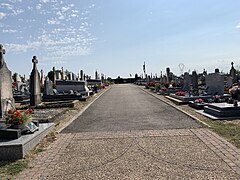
<point>18,118</point>
<point>180,93</point>
<point>200,101</point>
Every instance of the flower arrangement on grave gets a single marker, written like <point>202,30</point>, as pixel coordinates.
<point>18,117</point>
<point>157,86</point>
<point>150,85</point>
<point>180,93</point>
<point>200,101</point>
<point>163,89</point>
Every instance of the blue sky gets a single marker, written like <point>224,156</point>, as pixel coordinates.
<point>117,36</point>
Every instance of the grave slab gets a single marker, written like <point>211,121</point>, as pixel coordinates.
<point>18,148</point>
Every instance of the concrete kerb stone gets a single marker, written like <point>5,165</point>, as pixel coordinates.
<point>84,109</point>
<point>188,114</point>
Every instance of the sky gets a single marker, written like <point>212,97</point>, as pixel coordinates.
<point>115,37</point>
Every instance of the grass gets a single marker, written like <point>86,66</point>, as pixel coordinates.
<point>228,130</point>
<point>9,169</point>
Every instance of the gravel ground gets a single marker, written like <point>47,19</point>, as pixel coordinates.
<point>166,157</point>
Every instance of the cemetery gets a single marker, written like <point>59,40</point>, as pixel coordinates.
<point>214,95</point>
<point>30,107</point>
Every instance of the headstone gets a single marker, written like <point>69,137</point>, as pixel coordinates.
<point>42,79</point>
<point>58,75</point>
<point>48,87</point>
<point>81,75</point>
<point>54,76</point>
<point>35,92</point>
<point>161,78</point>
<point>6,95</point>
<point>62,74</point>
<point>215,84</point>
<point>96,75</point>
<point>194,80</point>
<point>229,81</point>
<point>168,75</point>
<point>186,81</point>
<point>233,73</point>
<point>70,76</point>
<point>74,77</point>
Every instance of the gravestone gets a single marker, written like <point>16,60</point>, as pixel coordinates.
<point>186,81</point>
<point>233,73</point>
<point>42,79</point>
<point>54,76</point>
<point>48,87</point>
<point>81,75</point>
<point>161,78</point>
<point>96,75</point>
<point>35,92</point>
<point>168,75</point>
<point>74,77</point>
<point>58,75</point>
<point>62,74</point>
<point>215,84</point>
<point>194,81</point>
<point>6,95</point>
<point>229,81</point>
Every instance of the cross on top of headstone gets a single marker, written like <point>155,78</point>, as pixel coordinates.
<point>34,60</point>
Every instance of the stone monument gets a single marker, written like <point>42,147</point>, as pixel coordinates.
<point>233,73</point>
<point>35,92</point>
<point>195,82</point>
<point>6,95</point>
<point>186,81</point>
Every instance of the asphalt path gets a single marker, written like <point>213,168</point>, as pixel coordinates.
<point>126,107</point>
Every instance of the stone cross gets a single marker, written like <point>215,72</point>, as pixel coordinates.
<point>35,92</point>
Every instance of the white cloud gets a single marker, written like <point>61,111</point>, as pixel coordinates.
<point>238,26</point>
<point>2,15</point>
<point>61,17</point>
<point>6,5</point>
<point>64,9</point>
<point>38,6</point>
<point>44,1</point>
<point>52,21</point>
<point>9,31</point>
<point>61,34</point>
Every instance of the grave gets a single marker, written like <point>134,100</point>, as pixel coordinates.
<point>18,148</point>
<point>222,111</point>
<point>215,84</point>
<point>35,91</point>
<point>66,90</point>
<point>6,95</point>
